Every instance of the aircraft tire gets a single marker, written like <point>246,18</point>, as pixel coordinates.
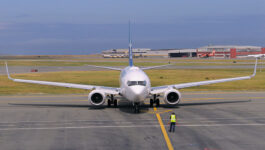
<point>115,102</point>
<point>157,102</point>
<point>109,103</point>
<point>136,108</point>
<point>151,102</point>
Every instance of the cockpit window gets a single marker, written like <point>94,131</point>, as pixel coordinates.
<point>143,83</point>
<point>132,83</point>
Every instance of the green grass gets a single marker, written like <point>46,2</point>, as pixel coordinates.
<point>140,62</point>
<point>110,78</point>
<point>74,63</point>
<point>98,57</point>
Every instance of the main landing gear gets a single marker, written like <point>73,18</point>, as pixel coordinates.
<point>112,101</point>
<point>154,100</point>
<point>136,107</point>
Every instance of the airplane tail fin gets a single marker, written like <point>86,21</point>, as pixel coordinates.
<point>130,47</point>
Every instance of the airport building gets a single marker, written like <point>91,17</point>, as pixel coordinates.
<point>220,51</point>
<point>169,53</point>
<point>230,51</point>
<point>121,53</point>
<point>147,52</point>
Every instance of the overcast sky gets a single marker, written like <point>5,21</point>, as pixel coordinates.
<point>85,27</point>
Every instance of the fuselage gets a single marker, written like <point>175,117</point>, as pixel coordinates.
<point>134,84</point>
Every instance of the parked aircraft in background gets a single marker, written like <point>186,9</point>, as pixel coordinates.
<point>257,55</point>
<point>212,54</point>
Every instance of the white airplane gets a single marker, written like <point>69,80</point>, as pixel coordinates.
<point>256,56</point>
<point>135,86</point>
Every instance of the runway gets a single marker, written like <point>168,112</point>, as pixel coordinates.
<point>206,121</point>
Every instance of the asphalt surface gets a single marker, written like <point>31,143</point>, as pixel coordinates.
<point>206,121</point>
<point>27,69</point>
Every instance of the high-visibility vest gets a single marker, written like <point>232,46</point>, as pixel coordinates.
<point>173,118</point>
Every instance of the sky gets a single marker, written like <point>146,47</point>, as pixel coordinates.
<point>66,27</point>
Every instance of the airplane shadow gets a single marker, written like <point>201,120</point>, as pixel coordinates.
<point>126,107</point>
<point>58,105</point>
<point>203,103</point>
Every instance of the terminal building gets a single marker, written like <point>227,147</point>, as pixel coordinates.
<point>221,51</point>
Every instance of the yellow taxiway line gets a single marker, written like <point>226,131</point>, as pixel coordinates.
<point>169,145</point>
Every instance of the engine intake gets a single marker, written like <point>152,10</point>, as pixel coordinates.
<point>96,98</point>
<point>172,97</point>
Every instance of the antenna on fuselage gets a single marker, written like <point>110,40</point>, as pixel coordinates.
<point>130,47</point>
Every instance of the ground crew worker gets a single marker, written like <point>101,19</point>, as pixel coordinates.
<point>173,121</point>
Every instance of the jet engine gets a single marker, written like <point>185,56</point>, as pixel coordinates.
<point>172,97</point>
<point>96,98</point>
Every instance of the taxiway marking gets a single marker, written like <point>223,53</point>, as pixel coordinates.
<point>130,126</point>
<point>169,145</point>
<point>220,98</point>
<point>159,112</point>
<point>208,93</point>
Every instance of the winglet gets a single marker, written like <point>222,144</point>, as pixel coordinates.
<point>255,68</point>
<point>7,72</point>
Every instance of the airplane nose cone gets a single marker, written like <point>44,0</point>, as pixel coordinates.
<point>138,92</point>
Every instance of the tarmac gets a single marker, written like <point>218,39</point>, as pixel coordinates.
<point>206,121</point>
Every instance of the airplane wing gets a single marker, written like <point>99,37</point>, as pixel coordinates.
<point>146,68</point>
<point>162,89</point>
<point>108,90</point>
<point>105,67</point>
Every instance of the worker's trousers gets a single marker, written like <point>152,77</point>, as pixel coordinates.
<point>172,127</point>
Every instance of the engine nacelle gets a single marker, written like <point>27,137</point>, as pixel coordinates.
<point>96,98</point>
<point>172,97</point>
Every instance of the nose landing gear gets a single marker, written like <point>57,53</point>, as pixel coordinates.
<point>136,107</point>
